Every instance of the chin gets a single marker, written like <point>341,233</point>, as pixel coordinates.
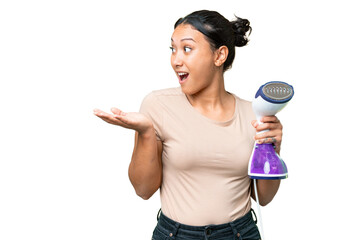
<point>187,90</point>
<point>190,90</point>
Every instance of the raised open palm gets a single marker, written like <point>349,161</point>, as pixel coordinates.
<point>131,120</point>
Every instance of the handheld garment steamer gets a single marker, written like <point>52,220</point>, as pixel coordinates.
<point>265,163</point>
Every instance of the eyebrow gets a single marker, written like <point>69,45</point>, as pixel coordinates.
<point>185,39</point>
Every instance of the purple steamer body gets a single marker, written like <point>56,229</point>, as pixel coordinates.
<point>266,163</point>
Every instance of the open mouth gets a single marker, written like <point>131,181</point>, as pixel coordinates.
<point>183,76</point>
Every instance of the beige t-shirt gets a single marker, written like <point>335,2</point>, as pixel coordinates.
<point>205,162</point>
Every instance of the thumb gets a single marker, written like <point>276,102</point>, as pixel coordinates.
<point>117,111</point>
<point>254,123</point>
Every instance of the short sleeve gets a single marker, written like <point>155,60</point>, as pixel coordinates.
<point>152,108</point>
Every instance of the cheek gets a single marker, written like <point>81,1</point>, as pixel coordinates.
<point>205,60</point>
<point>200,62</point>
<point>204,68</point>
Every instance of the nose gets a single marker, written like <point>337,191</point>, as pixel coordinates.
<point>176,60</point>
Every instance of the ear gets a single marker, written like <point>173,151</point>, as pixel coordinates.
<point>221,55</point>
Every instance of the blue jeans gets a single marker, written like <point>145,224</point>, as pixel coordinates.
<point>243,228</point>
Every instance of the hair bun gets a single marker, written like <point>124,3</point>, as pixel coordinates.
<point>242,31</point>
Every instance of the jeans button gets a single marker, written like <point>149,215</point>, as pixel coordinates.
<point>208,232</point>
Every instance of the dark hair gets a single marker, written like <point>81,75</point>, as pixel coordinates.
<point>219,31</point>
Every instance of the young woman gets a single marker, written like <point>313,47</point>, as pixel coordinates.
<point>194,141</point>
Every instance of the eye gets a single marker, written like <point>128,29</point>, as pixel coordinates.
<point>172,49</point>
<point>187,49</point>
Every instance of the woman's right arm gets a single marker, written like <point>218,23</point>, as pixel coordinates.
<point>145,170</point>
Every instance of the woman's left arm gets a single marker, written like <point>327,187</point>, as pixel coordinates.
<point>267,189</point>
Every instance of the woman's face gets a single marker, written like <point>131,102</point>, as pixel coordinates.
<point>192,59</point>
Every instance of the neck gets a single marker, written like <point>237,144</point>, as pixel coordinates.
<point>212,97</point>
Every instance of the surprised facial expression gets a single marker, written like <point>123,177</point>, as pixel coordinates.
<point>192,59</point>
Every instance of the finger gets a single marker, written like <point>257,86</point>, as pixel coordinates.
<point>268,126</point>
<point>272,140</point>
<point>109,118</point>
<point>269,119</point>
<point>273,130</point>
<point>123,119</point>
<point>277,134</point>
<point>99,112</point>
<point>104,115</point>
<point>116,111</point>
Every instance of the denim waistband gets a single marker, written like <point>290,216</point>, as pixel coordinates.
<point>231,228</point>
